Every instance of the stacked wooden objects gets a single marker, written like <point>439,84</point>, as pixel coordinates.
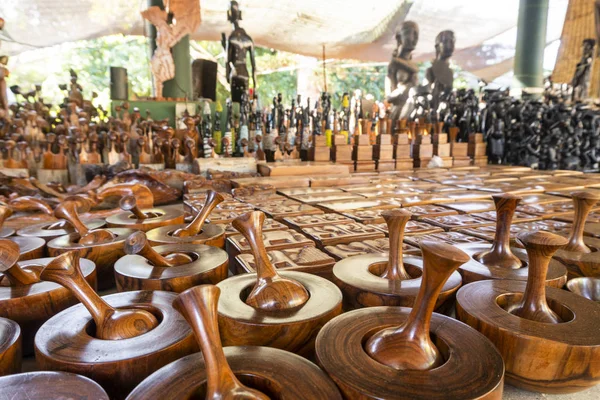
<point>477,149</point>
<point>422,148</point>
<point>383,152</point>
<point>459,151</point>
<point>362,151</point>
<point>341,151</point>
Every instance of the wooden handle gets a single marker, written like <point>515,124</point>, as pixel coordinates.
<point>9,255</point>
<point>396,221</point>
<point>111,324</point>
<point>271,292</point>
<point>540,247</point>
<point>137,243</point>
<point>5,212</point>
<point>409,346</point>
<point>195,227</point>
<point>141,192</point>
<point>198,306</point>
<point>500,254</point>
<point>129,203</point>
<point>583,202</point>
<point>28,203</point>
<point>46,189</point>
<point>67,210</point>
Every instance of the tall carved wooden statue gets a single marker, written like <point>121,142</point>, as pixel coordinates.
<point>581,78</point>
<point>440,75</point>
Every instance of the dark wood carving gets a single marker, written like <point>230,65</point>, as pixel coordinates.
<point>47,385</point>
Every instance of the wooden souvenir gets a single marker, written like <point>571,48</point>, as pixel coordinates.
<point>456,222</point>
<point>489,232</point>
<point>196,232</point>
<point>303,221</point>
<point>290,208</point>
<point>417,353</point>
<point>303,259</point>
<point>367,216</point>
<point>144,220</point>
<point>550,210</point>
<point>269,226</point>
<point>380,280</point>
<point>314,198</point>
<point>129,335</point>
<point>585,287</point>
<point>412,228</point>
<point>326,235</point>
<point>46,385</point>
<point>518,216</point>
<point>342,206</point>
<point>538,329</point>
<point>429,210</point>
<point>282,309</point>
<point>111,194</point>
<point>171,267</point>
<point>471,207</point>
<point>10,349</point>
<point>52,230</point>
<point>5,212</point>
<point>29,204</point>
<point>301,191</point>
<point>29,247</point>
<point>26,299</point>
<point>453,238</point>
<point>374,246</point>
<point>250,373</point>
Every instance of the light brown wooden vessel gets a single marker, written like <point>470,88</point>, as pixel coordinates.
<point>47,385</point>
<point>144,220</point>
<point>10,349</point>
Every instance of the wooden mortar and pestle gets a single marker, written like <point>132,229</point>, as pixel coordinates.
<point>30,248</point>
<point>235,372</point>
<point>102,246</point>
<point>548,337</point>
<point>196,232</point>
<point>144,220</point>
<point>586,287</point>
<point>499,260</point>
<point>10,349</point>
<point>269,308</point>
<point>170,267</point>
<point>28,300</point>
<point>47,385</point>
<point>116,340</point>
<point>399,352</point>
<point>107,195</point>
<point>387,280</point>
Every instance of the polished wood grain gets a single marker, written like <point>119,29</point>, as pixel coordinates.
<point>271,292</point>
<point>304,259</point>
<point>5,212</point>
<point>9,255</point>
<point>47,385</point>
<point>10,349</point>
<point>583,201</point>
<point>68,210</point>
<point>193,228</point>
<point>152,217</point>
<point>585,287</point>
<point>29,204</point>
<point>29,247</point>
<point>109,193</point>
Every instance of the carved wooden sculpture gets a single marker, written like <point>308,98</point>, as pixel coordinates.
<point>376,280</point>
<point>25,298</point>
<point>537,329</point>
<point>196,232</point>
<point>417,353</point>
<point>47,385</point>
<point>10,349</point>
<point>133,334</point>
<point>135,218</point>
<point>232,372</point>
<point>171,267</point>
<point>280,309</point>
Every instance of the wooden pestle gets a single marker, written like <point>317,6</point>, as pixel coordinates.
<point>198,305</point>
<point>540,247</point>
<point>29,203</point>
<point>271,292</point>
<point>9,255</point>
<point>128,203</point>
<point>195,227</point>
<point>396,221</point>
<point>409,346</point>
<point>583,202</point>
<point>137,243</point>
<point>111,323</point>
<point>67,210</point>
<point>500,255</point>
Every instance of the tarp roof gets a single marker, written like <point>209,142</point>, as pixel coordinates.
<point>350,29</point>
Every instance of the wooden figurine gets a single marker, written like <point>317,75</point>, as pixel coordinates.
<point>499,260</point>
<point>548,337</point>
<point>144,220</point>
<point>196,232</point>
<point>250,373</point>
<point>5,212</point>
<point>417,353</point>
<point>46,385</point>
<point>25,298</point>
<point>171,267</point>
<point>283,309</point>
<point>10,349</point>
<point>102,246</point>
<point>586,287</point>
<point>376,280</point>
<point>132,335</point>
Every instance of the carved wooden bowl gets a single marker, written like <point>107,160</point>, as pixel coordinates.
<point>387,279</point>
<point>53,230</point>
<point>277,309</point>
<point>548,337</point>
<point>585,287</point>
<point>47,385</point>
<point>30,247</point>
<point>116,340</point>
<point>10,348</point>
<point>251,373</point>
<point>172,267</point>
<point>398,352</point>
<point>26,299</point>
<point>144,220</point>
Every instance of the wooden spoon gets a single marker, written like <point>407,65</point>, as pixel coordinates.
<point>396,221</point>
<point>111,323</point>
<point>409,346</point>
<point>583,202</point>
<point>9,255</point>
<point>195,227</point>
<point>137,243</point>
<point>271,292</point>
<point>199,307</point>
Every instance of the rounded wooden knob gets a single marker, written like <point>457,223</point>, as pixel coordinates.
<point>540,247</point>
<point>396,221</point>
<point>68,210</point>
<point>137,243</point>
<point>271,292</point>
<point>409,346</point>
<point>500,254</point>
<point>9,255</point>
<point>28,203</point>
<point>195,227</point>
<point>129,203</point>
<point>198,305</point>
<point>583,202</point>
<point>111,323</point>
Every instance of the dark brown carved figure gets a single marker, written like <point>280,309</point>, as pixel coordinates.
<point>402,71</point>
<point>583,71</point>
<point>440,75</point>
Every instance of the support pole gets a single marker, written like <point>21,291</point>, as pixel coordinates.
<point>531,42</point>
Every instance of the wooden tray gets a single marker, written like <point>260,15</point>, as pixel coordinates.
<point>326,235</point>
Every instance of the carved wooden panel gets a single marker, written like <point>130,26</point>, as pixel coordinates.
<point>412,228</point>
<point>429,210</point>
<point>550,209</point>
<point>274,240</point>
<point>341,206</point>
<point>468,195</point>
<point>453,238</point>
<point>314,198</point>
<point>374,246</point>
<point>288,209</point>
<point>488,232</point>
<point>455,222</point>
<point>470,207</point>
<point>303,221</point>
<point>202,196</point>
<point>369,216</point>
<point>269,225</point>
<point>421,199</point>
<point>341,233</point>
<point>310,190</point>
<point>304,259</point>
<point>518,216</point>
